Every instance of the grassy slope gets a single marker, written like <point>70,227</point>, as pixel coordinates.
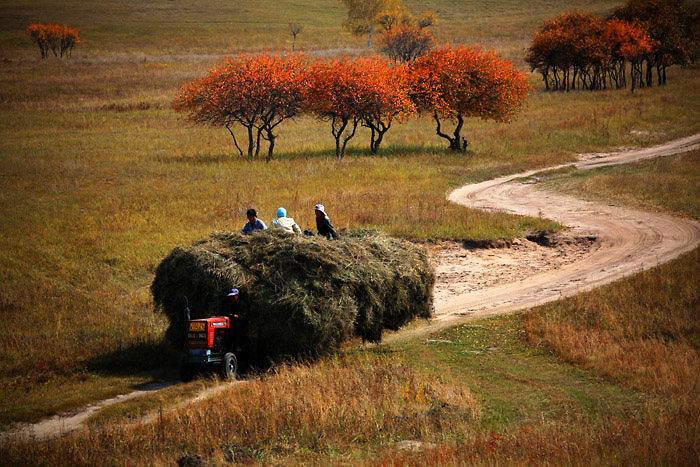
<point>485,392</point>
<point>99,178</point>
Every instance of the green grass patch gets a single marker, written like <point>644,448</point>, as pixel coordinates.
<point>517,384</point>
<point>669,184</point>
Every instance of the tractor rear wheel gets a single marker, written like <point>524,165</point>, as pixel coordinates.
<point>229,366</point>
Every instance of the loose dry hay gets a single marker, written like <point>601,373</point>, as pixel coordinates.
<point>306,294</point>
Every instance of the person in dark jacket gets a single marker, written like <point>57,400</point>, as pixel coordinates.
<point>237,311</point>
<point>323,223</point>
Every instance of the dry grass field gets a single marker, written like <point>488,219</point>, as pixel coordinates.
<point>100,179</point>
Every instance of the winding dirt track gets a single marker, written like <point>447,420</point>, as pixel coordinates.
<point>627,241</point>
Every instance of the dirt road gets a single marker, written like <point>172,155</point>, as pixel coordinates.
<point>604,243</point>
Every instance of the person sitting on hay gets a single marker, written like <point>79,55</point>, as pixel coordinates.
<point>285,223</point>
<point>253,222</point>
<point>323,223</point>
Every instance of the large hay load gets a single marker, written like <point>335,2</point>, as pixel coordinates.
<point>306,294</point>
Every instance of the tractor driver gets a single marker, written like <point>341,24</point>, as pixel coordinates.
<point>237,311</point>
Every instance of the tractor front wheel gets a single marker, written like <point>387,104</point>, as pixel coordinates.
<point>229,366</point>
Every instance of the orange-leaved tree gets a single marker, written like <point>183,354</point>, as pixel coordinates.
<point>58,38</point>
<point>456,83</point>
<point>627,42</point>
<point>257,92</point>
<point>333,96</point>
<point>385,92</point>
<point>366,91</point>
<point>663,20</point>
<point>569,50</point>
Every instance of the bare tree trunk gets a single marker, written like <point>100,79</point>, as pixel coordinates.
<point>337,133</point>
<point>457,143</point>
<point>345,141</point>
<point>251,141</point>
<point>228,127</point>
<point>271,147</point>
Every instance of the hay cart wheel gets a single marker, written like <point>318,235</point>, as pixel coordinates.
<point>185,370</point>
<point>229,366</point>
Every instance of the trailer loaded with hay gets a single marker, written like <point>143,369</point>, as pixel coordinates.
<point>306,295</point>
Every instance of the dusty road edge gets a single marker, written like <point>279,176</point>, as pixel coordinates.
<point>628,240</point>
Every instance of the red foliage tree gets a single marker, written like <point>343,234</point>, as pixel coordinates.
<point>664,22</point>
<point>628,42</point>
<point>385,92</point>
<point>333,95</point>
<point>578,49</point>
<point>570,50</point>
<point>465,82</point>
<point>256,91</point>
<point>365,91</point>
<point>58,38</point>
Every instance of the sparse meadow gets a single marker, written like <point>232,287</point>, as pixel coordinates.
<point>100,179</point>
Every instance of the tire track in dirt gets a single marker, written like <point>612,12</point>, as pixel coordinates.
<point>628,240</point>
<point>62,424</point>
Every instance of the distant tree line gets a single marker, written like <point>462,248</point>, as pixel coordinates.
<point>57,38</point>
<point>259,92</point>
<point>578,50</point>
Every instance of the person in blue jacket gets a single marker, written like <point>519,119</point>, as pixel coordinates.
<point>253,222</point>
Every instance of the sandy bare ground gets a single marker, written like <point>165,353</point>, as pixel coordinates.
<point>604,243</point>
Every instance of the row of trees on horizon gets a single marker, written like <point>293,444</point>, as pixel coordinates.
<point>575,50</point>
<point>58,38</point>
<point>259,92</point>
<point>578,50</point>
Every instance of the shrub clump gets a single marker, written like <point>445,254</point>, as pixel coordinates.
<point>306,294</point>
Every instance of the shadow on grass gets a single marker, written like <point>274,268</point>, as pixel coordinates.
<point>157,361</point>
<point>350,153</point>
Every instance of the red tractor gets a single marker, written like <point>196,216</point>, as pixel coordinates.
<point>209,346</point>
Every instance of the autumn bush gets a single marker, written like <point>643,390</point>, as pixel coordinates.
<point>406,42</point>
<point>406,37</point>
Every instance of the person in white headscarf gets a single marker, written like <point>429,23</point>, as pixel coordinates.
<point>323,223</point>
